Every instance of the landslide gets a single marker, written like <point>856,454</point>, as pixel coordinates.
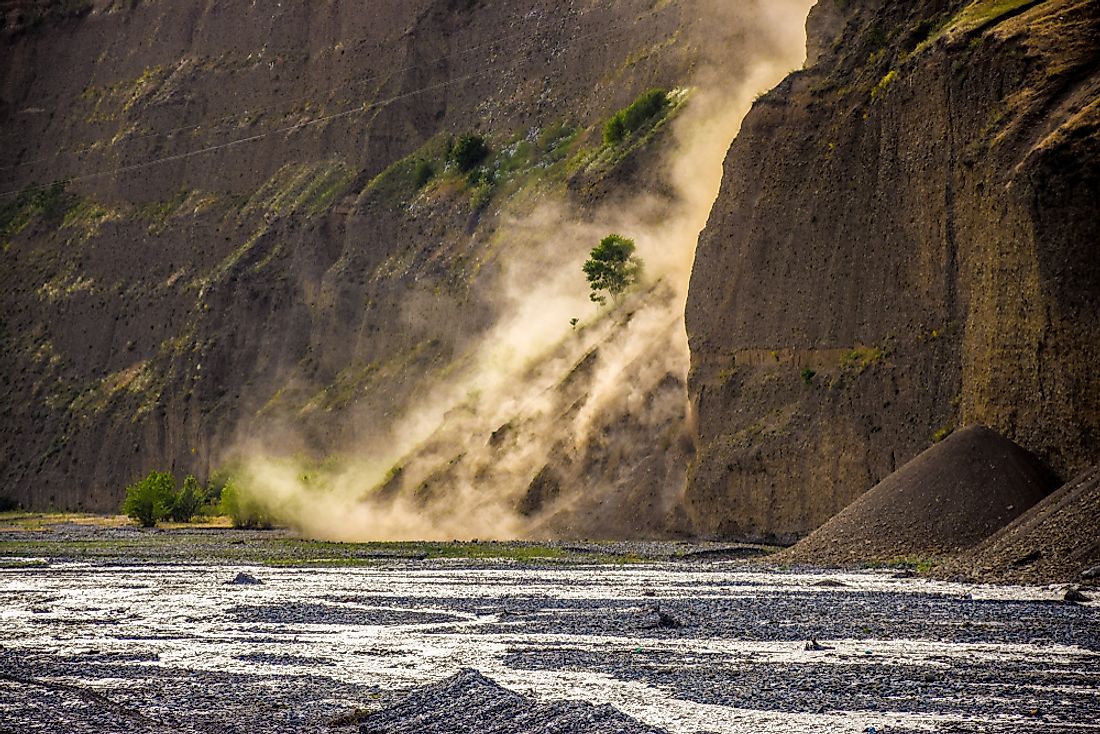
<point>903,245</point>
<point>949,498</point>
<point>214,227</point>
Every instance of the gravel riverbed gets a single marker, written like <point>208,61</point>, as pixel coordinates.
<point>684,647</point>
<point>714,646</point>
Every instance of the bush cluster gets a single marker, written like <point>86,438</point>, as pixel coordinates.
<point>243,509</point>
<point>468,152</point>
<point>632,118</point>
<point>155,498</point>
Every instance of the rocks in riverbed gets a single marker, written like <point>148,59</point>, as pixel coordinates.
<point>244,579</point>
<point>654,617</point>
<point>468,701</point>
<point>1074,595</point>
<point>815,646</point>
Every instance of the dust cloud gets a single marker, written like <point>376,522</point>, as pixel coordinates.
<point>544,429</point>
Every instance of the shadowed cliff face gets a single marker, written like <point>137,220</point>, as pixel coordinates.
<point>901,246</point>
<point>240,264</point>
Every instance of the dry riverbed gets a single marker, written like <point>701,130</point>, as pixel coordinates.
<point>115,629</point>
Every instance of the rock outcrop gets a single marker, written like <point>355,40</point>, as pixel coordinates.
<point>904,243</point>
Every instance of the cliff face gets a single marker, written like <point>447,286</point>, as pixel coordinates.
<point>243,245</point>
<point>905,243</point>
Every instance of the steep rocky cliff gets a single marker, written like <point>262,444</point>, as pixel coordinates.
<point>905,243</point>
<point>233,222</point>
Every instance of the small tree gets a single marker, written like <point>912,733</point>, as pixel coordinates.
<point>612,268</point>
<point>151,499</point>
<point>188,501</point>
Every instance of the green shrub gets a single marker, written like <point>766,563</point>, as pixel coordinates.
<point>50,202</point>
<point>632,118</point>
<point>423,173</point>
<point>244,510</point>
<point>468,152</point>
<point>808,376</point>
<point>481,196</point>
<point>151,499</point>
<point>188,502</point>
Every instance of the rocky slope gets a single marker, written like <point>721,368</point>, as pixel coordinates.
<point>244,250</point>
<point>1054,541</point>
<point>903,245</point>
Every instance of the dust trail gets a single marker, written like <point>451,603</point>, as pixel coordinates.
<point>543,429</point>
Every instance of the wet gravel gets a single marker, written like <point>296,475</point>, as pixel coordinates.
<point>686,647</point>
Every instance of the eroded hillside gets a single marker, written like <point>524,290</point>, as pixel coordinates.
<point>231,230</point>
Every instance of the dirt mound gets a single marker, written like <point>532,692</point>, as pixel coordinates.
<point>471,702</point>
<point>952,496</point>
<point>1056,540</point>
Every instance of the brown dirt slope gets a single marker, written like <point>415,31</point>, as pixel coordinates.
<point>1053,541</point>
<point>951,497</point>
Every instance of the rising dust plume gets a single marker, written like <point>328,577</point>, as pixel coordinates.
<point>543,430</point>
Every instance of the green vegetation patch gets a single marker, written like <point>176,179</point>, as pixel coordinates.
<point>50,203</point>
<point>595,162</point>
<point>883,84</point>
<point>976,16</point>
<point>861,357</point>
<point>470,165</point>
<point>305,189</point>
<point>642,112</point>
<point>140,381</point>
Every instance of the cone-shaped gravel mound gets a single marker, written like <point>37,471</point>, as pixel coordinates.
<point>953,496</point>
<point>1056,540</point>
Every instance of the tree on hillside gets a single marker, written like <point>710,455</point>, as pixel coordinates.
<point>612,268</point>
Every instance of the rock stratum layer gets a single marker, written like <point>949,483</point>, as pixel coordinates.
<point>905,243</point>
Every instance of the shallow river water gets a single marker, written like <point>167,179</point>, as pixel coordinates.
<point>169,648</point>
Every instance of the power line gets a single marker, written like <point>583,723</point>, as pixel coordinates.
<point>229,118</point>
<point>361,108</point>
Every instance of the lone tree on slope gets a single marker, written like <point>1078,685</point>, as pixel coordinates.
<point>612,268</point>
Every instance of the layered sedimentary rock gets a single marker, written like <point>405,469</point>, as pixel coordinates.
<point>905,243</point>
